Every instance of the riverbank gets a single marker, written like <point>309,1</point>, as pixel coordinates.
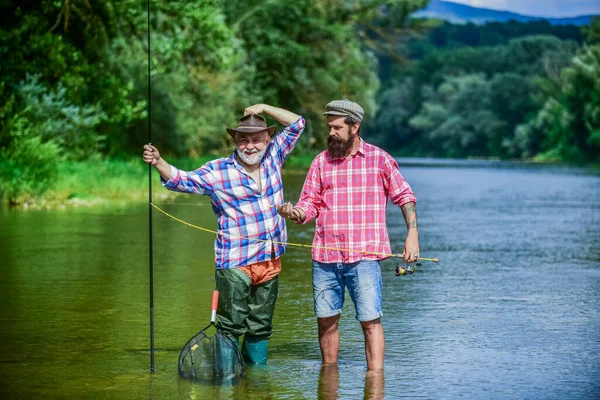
<point>93,182</point>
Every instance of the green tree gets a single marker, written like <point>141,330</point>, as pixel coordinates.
<point>391,129</point>
<point>456,118</point>
<point>45,129</point>
<point>309,52</point>
<point>570,115</point>
<point>198,74</point>
<point>63,44</point>
<point>568,121</point>
<point>487,125</point>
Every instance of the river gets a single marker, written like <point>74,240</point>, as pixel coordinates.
<point>511,311</point>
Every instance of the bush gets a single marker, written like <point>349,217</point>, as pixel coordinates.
<point>49,115</point>
<point>27,168</point>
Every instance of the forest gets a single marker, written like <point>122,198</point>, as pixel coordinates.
<point>74,95</point>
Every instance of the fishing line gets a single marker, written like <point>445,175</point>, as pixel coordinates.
<point>297,245</point>
<point>185,204</point>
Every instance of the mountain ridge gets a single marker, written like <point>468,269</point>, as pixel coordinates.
<point>462,14</point>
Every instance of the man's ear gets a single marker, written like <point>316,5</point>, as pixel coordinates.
<point>355,129</point>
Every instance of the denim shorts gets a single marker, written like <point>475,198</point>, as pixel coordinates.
<point>363,280</point>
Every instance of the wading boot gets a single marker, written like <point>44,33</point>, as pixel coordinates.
<point>254,350</point>
<point>225,363</point>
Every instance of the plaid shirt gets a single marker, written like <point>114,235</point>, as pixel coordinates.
<point>348,197</point>
<point>241,209</point>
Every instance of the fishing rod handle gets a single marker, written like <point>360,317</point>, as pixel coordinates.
<point>435,260</point>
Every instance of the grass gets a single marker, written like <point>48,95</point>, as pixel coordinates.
<point>97,181</point>
<point>106,179</point>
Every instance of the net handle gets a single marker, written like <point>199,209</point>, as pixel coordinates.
<point>215,303</point>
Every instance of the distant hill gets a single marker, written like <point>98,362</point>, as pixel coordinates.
<point>462,14</point>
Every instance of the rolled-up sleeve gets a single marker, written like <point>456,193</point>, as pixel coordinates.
<point>399,190</point>
<point>310,198</point>
<point>199,181</point>
<point>288,137</point>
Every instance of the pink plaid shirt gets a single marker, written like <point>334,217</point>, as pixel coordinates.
<point>348,197</point>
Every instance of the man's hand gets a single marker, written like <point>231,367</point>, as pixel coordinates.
<point>411,247</point>
<point>288,211</point>
<point>151,155</point>
<point>255,109</point>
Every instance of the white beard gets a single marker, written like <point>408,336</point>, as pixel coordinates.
<point>253,158</point>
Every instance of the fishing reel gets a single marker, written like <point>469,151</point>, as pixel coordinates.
<point>409,269</point>
<point>406,270</point>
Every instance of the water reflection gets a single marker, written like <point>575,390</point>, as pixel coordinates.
<point>374,384</point>
<point>329,384</point>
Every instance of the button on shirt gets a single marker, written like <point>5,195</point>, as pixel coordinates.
<point>348,198</point>
<point>244,213</point>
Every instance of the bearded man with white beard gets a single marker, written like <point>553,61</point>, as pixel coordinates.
<point>243,189</point>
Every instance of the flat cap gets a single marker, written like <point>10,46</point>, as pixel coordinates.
<point>345,108</point>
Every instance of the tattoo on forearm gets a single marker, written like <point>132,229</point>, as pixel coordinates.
<point>409,212</point>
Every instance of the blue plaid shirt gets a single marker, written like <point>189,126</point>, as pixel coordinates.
<point>241,209</point>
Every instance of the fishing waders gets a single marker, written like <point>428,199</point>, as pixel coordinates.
<point>246,309</point>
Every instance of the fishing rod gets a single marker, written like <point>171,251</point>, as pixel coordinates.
<point>150,244</point>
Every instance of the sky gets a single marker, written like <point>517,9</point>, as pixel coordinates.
<point>539,8</point>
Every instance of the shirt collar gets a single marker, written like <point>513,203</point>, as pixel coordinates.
<point>234,161</point>
<point>361,148</point>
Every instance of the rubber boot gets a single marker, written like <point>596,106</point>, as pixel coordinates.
<point>254,350</point>
<point>225,362</point>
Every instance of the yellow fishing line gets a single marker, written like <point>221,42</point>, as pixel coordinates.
<point>283,243</point>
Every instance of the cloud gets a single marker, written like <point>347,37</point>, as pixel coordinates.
<point>549,8</point>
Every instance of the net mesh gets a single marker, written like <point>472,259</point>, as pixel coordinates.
<point>211,357</point>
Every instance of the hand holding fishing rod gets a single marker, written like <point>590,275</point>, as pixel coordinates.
<point>287,210</point>
<point>152,157</point>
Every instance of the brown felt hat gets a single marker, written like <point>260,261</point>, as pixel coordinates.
<point>252,123</point>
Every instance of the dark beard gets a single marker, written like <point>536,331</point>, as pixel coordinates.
<point>338,148</point>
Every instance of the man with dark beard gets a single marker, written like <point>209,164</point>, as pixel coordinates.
<point>346,192</point>
<point>252,237</point>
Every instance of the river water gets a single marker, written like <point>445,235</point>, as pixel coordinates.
<point>511,311</point>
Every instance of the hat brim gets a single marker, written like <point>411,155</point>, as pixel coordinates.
<point>270,130</point>
<point>344,114</point>
<point>337,113</point>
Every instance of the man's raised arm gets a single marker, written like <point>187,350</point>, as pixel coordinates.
<point>284,117</point>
